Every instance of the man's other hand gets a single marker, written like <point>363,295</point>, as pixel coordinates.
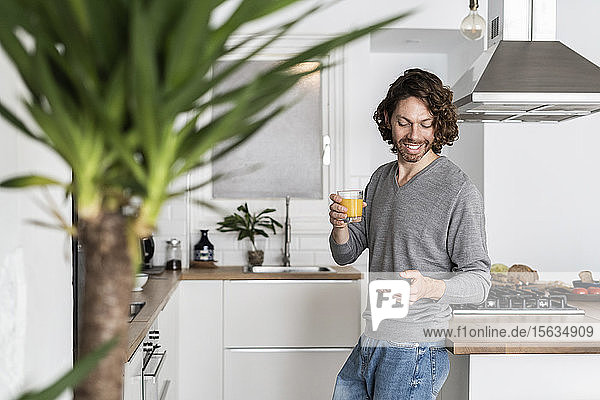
<point>423,286</point>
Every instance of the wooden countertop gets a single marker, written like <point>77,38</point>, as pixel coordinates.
<point>156,294</point>
<point>237,273</point>
<point>159,288</point>
<point>563,345</point>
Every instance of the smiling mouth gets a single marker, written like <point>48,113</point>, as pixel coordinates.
<point>413,148</point>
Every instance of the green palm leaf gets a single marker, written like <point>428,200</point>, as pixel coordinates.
<point>30,180</point>
<point>108,81</point>
<point>108,105</point>
<point>20,125</point>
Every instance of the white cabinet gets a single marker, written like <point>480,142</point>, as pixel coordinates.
<point>287,339</point>
<point>201,340</point>
<point>284,373</point>
<point>132,376</point>
<point>265,339</point>
<point>168,326</point>
<point>160,375</point>
<point>287,313</point>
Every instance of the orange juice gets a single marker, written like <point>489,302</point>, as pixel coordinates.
<point>352,200</point>
<point>354,207</point>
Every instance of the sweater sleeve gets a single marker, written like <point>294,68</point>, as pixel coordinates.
<point>348,252</point>
<point>466,245</point>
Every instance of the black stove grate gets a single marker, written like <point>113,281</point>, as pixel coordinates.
<point>521,298</point>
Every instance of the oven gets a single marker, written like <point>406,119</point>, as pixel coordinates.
<point>142,373</point>
<point>154,385</point>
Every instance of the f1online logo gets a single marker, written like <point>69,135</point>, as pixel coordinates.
<point>389,299</point>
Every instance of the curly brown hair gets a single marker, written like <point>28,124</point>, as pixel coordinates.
<point>438,98</point>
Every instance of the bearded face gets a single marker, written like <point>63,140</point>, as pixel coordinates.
<point>412,129</point>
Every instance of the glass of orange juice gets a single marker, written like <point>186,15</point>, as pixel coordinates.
<point>353,201</point>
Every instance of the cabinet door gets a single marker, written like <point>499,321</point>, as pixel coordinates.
<point>275,374</point>
<point>168,325</point>
<point>132,376</point>
<point>300,313</point>
<point>201,340</point>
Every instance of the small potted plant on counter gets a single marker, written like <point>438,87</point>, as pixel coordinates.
<point>249,226</point>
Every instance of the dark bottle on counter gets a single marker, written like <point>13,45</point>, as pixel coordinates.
<point>204,249</point>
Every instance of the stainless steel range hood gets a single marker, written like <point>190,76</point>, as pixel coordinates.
<point>526,81</point>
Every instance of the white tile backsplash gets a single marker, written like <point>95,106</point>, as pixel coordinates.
<point>237,244</point>
<point>172,223</point>
<point>165,214</point>
<point>309,244</point>
<point>233,257</point>
<point>178,209</point>
<point>323,258</point>
<point>301,257</point>
<point>363,259</point>
<point>273,257</point>
<point>276,242</point>
<point>313,243</point>
<point>218,254</point>
<point>173,228</point>
<point>364,181</point>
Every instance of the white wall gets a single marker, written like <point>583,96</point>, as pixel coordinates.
<point>539,198</point>
<point>367,74</point>
<point>366,77</point>
<point>467,153</point>
<point>35,265</point>
<point>366,149</point>
<point>540,189</point>
<point>541,180</point>
<point>345,15</point>
<point>370,66</point>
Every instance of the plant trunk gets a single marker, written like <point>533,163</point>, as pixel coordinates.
<point>108,283</point>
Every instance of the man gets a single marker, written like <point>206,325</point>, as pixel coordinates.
<point>423,221</point>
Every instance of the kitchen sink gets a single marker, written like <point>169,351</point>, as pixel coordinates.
<point>135,308</point>
<point>293,269</point>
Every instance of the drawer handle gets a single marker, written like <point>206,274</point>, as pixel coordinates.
<point>163,394</point>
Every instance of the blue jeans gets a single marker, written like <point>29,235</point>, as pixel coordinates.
<point>383,370</point>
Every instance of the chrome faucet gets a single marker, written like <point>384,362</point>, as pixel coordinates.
<point>288,233</point>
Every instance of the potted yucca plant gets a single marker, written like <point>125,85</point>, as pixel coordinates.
<point>105,83</point>
<point>250,225</point>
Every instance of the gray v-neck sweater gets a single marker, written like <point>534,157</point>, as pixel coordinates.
<point>434,223</point>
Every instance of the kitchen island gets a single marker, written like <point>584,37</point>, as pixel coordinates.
<point>525,367</point>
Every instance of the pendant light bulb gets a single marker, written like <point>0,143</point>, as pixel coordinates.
<point>472,26</point>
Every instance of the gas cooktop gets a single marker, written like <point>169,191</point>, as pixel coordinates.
<point>521,300</point>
